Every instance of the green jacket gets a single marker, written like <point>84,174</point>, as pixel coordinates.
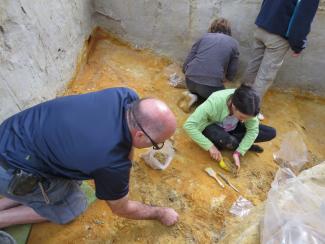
<point>215,110</point>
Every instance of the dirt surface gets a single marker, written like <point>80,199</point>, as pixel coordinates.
<point>203,206</point>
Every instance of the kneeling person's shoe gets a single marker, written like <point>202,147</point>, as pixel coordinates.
<point>260,116</point>
<point>186,101</point>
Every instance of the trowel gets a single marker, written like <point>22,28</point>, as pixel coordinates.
<point>213,174</point>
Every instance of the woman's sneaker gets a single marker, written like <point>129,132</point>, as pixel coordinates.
<point>186,101</point>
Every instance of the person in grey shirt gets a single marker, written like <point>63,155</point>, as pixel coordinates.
<point>212,60</point>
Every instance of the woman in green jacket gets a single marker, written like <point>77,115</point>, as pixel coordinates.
<point>227,120</point>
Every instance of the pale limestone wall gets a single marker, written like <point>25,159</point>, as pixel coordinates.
<point>40,40</point>
<point>39,45</point>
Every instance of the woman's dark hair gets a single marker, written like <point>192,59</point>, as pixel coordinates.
<point>220,25</point>
<point>246,100</point>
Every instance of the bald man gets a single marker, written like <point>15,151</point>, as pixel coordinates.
<point>45,152</point>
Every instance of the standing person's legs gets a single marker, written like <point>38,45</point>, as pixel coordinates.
<point>255,61</point>
<point>276,48</point>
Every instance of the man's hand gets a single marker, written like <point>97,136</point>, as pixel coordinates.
<point>168,216</point>
<point>237,160</point>
<point>215,153</point>
<point>135,210</point>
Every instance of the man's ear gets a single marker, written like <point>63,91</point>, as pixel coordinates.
<point>138,134</point>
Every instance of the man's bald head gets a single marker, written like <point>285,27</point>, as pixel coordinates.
<point>155,117</point>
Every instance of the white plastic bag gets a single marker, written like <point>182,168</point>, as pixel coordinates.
<point>241,207</point>
<point>295,208</point>
<point>159,159</point>
<point>293,152</point>
<point>176,78</point>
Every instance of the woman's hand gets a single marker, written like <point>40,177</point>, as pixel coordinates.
<point>236,156</point>
<point>215,153</point>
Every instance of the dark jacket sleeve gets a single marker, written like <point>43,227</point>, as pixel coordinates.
<point>300,25</point>
<point>233,64</point>
<point>191,55</point>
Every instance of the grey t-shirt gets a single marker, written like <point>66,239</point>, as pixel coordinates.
<point>213,58</point>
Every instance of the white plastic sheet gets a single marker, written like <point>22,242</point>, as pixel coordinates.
<point>295,208</point>
<point>293,152</point>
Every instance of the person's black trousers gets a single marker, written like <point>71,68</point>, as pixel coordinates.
<point>202,91</point>
<point>230,140</point>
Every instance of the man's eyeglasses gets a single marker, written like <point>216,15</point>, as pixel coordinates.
<point>155,145</point>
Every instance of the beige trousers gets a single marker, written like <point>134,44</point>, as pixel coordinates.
<point>268,54</point>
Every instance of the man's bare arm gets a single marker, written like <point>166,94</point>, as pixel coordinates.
<point>135,210</point>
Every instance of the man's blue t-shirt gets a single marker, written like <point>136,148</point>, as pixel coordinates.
<point>77,137</point>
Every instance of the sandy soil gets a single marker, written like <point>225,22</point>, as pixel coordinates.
<point>203,206</point>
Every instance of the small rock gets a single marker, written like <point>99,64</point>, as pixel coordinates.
<point>216,202</point>
<point>99,222</point>
<point>172,196</point>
